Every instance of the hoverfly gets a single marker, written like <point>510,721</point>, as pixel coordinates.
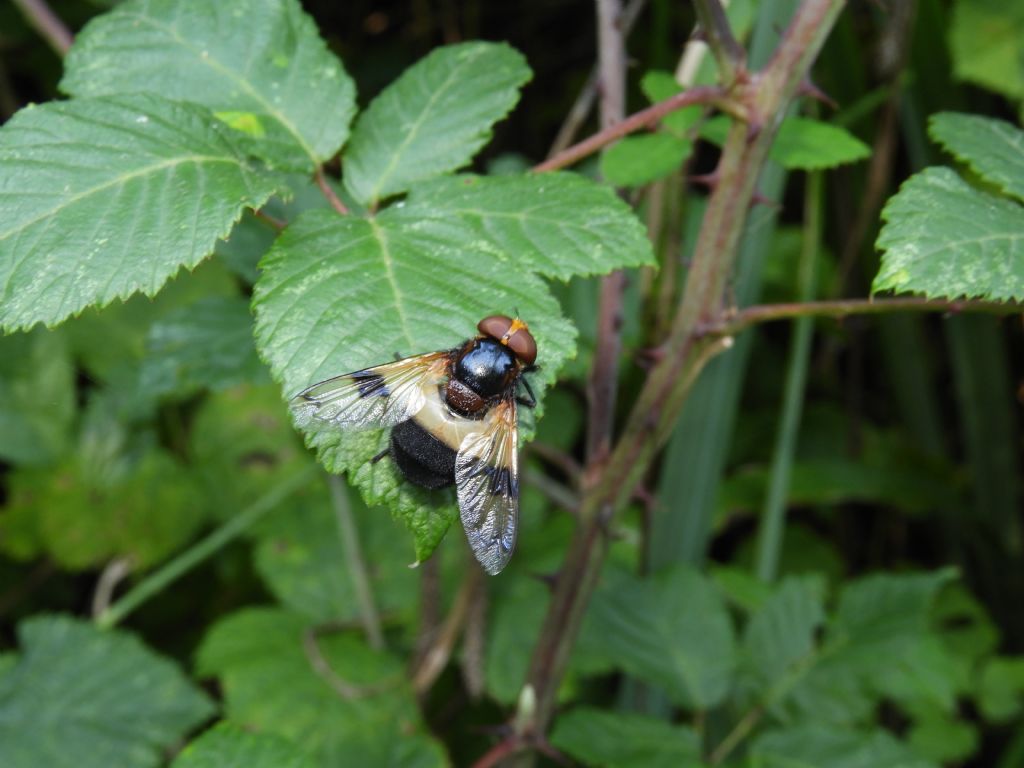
<point>453,419</point>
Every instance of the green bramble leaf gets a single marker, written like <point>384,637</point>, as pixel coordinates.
<point>433,118</point>
<point>639,160</point>
<point>925,677</point>
<point>279,678</point>
<point>816,746</point>
<point>882,616</point>
<point>559,225</point>
<point>1001,688</point>
<point>942,738</point>
<point>87,509</point>
<point>672,630</point>
<point>259,65</point>
<point>658,86</point>
<point>625,740</point>
<point>204,345</point>
<point>72,683</point>
<point>305,563</point>
<point>986,40</point>
<point>241,447</point>
<point>37,397</point>
<point>944,238</point>
<point>802,144</point>
<point>781,635</point>
<point>811,145</point>
<point>994,149</point>
<point>340,294</point>
<point>878,614</point>
<point>228,746</point>
<point>102,198</point>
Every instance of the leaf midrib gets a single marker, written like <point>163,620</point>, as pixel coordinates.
<point>215,64</point>
<point>389,267</point>
<point>411,135</point>
<point>197,159</point>
<point>74,199</point>
<point>953,245</point>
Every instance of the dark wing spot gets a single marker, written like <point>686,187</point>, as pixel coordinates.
<point>503,484</point>
<point>370,384</point>
<point>502,481</point>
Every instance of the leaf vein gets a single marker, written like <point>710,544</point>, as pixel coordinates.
<point>244,84</point>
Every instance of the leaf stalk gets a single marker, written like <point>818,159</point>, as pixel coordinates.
<point>43,20</point>
<point>173,570</point>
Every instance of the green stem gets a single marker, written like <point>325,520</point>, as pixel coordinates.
<point>773,518</point>
<point>200,551</point>
<point>775,694</point>
<point>356,563</point>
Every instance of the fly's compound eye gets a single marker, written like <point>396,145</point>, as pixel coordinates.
<point>521,342</point>
<point>513,333</point>
<point>494,326</point>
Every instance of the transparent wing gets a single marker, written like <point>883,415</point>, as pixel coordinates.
<point>487,482</point>
<point>381,396</point>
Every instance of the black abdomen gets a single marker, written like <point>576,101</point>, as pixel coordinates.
<point>421,457</point>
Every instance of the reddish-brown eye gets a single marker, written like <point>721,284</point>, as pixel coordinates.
<point>494,326</point>
<point>513,333</point>
<point>522,343</point>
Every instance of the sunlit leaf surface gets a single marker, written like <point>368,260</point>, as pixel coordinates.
<point>259,65</point>
<point>433,118</point>
<point>102,198</point>
<point>944,238</point>
<point>80,697</point>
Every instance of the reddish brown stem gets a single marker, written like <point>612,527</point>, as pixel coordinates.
<point>612,486</point>
<point>840,308</point>
<point>49,26</point>
<point>499,752</point>
<point>273,221</point>
<point>588,94</point>
<point>440,650</point>
<point>601,384</point>
<point>645,118</point>
<point>332,198</point>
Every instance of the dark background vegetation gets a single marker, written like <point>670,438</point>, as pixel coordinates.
<point>942,394</point>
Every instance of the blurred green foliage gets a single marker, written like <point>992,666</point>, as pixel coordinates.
<point>892,635</point>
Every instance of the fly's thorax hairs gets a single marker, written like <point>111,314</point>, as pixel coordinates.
<point>462,399</point>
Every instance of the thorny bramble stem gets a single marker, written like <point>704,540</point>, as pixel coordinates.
<point>685,351</point>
